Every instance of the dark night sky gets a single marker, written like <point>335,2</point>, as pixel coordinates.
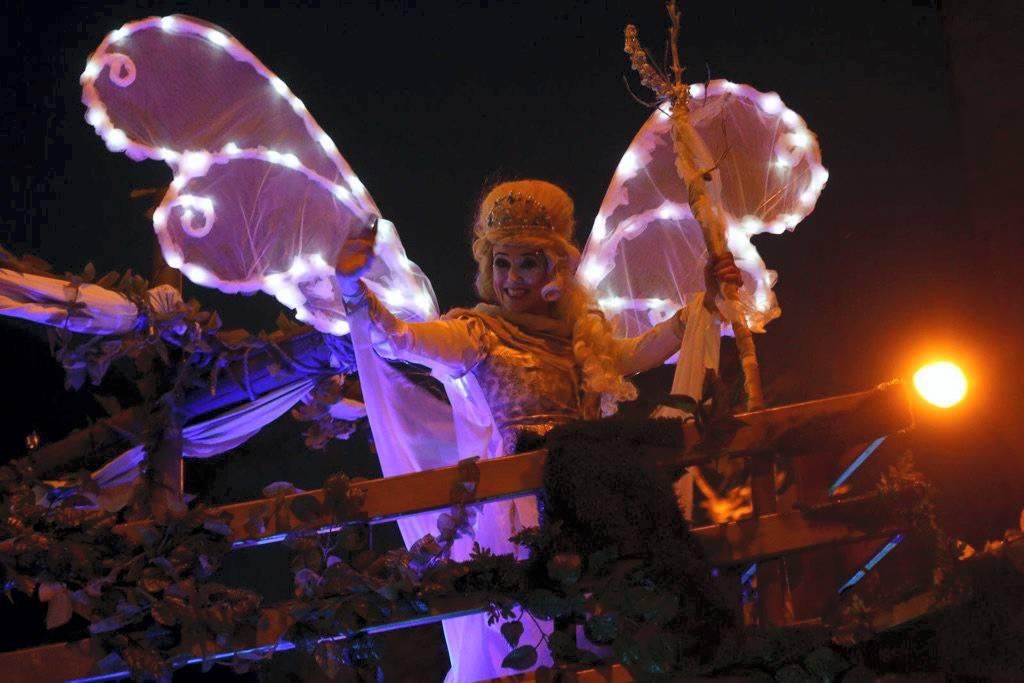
<point>429,103</point>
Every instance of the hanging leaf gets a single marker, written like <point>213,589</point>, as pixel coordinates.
<point>544,604</point>
<point>794,673</point>
<point>155,579</point>
<point>521,658</point>
<point>512,631</point>
<point>166,612</point>
<point>329,655</point>
<point>218,527</point>
<point>599,560</point>
<point>686,404</point>
<point>108,281</point>
<point>602,630</point>
<point>565,568</point>
<point>280,488</point>
<point>563,646</point>
<point>825,663</point>
<point>445,523</point>
<point>59,600</point>
<point>75,377</point>
<point>305,508</point>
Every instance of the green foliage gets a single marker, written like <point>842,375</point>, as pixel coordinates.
<point>521,658</point>
<point>145,602</point>
<point>512,631</point>
<point>317,411</point>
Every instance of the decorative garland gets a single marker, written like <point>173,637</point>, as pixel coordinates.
<point>150,606</point>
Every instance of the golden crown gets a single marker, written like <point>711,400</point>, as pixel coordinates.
<point>516,210</point>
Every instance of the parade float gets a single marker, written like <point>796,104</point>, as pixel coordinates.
<point>778,574</point>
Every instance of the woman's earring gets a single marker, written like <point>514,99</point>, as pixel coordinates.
<point>552,291</point>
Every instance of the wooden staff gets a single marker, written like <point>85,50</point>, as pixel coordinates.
<point>694,165</point>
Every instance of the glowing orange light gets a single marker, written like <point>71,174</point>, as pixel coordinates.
<point>942,384</point>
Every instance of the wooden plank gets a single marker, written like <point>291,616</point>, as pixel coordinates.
<point>826,424</point>
<point>167,487</point>
<point>857,417</point>
<point>771,573</point>
<point>816,574</point>
<point>383,499</point>
<point>751,540</point>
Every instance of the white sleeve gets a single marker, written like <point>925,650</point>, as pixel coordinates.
<point>450,347</point>
<point>661,342</point>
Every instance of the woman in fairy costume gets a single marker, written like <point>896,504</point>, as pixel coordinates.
<point>261,199</point>
<point>540,350</point>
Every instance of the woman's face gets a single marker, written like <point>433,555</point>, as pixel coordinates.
<point>519,275</point>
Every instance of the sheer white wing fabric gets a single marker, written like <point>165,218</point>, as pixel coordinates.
<point>646,254</point>
<point>261,198</point>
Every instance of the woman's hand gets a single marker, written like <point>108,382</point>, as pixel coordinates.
<point>719,271</point>
<point>355,258</point>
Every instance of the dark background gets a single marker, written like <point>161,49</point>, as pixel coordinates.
<point>912,253</point>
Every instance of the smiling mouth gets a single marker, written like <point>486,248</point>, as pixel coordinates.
<point>516,292</point>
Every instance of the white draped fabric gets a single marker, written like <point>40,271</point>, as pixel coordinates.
<point>413,431</point>
<point>91,309</point>
<point>87,308</point>
<point>216,435</point>
<point>699,351</point>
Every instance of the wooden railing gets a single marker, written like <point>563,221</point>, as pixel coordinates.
<point>808,431</point>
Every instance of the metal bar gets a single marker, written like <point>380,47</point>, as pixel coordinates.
<point>863,571</point>
<point>855,465</point>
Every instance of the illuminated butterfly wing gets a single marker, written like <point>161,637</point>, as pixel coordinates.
<point>261,198</point>
<point>646,254</point>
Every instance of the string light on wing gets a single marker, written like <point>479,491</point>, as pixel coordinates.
<point>646,246</point>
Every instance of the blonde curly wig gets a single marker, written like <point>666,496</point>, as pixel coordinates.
<point>547,223</point>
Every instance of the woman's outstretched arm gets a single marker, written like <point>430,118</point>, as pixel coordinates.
<point>451,346</point>
<point>658,344</point>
